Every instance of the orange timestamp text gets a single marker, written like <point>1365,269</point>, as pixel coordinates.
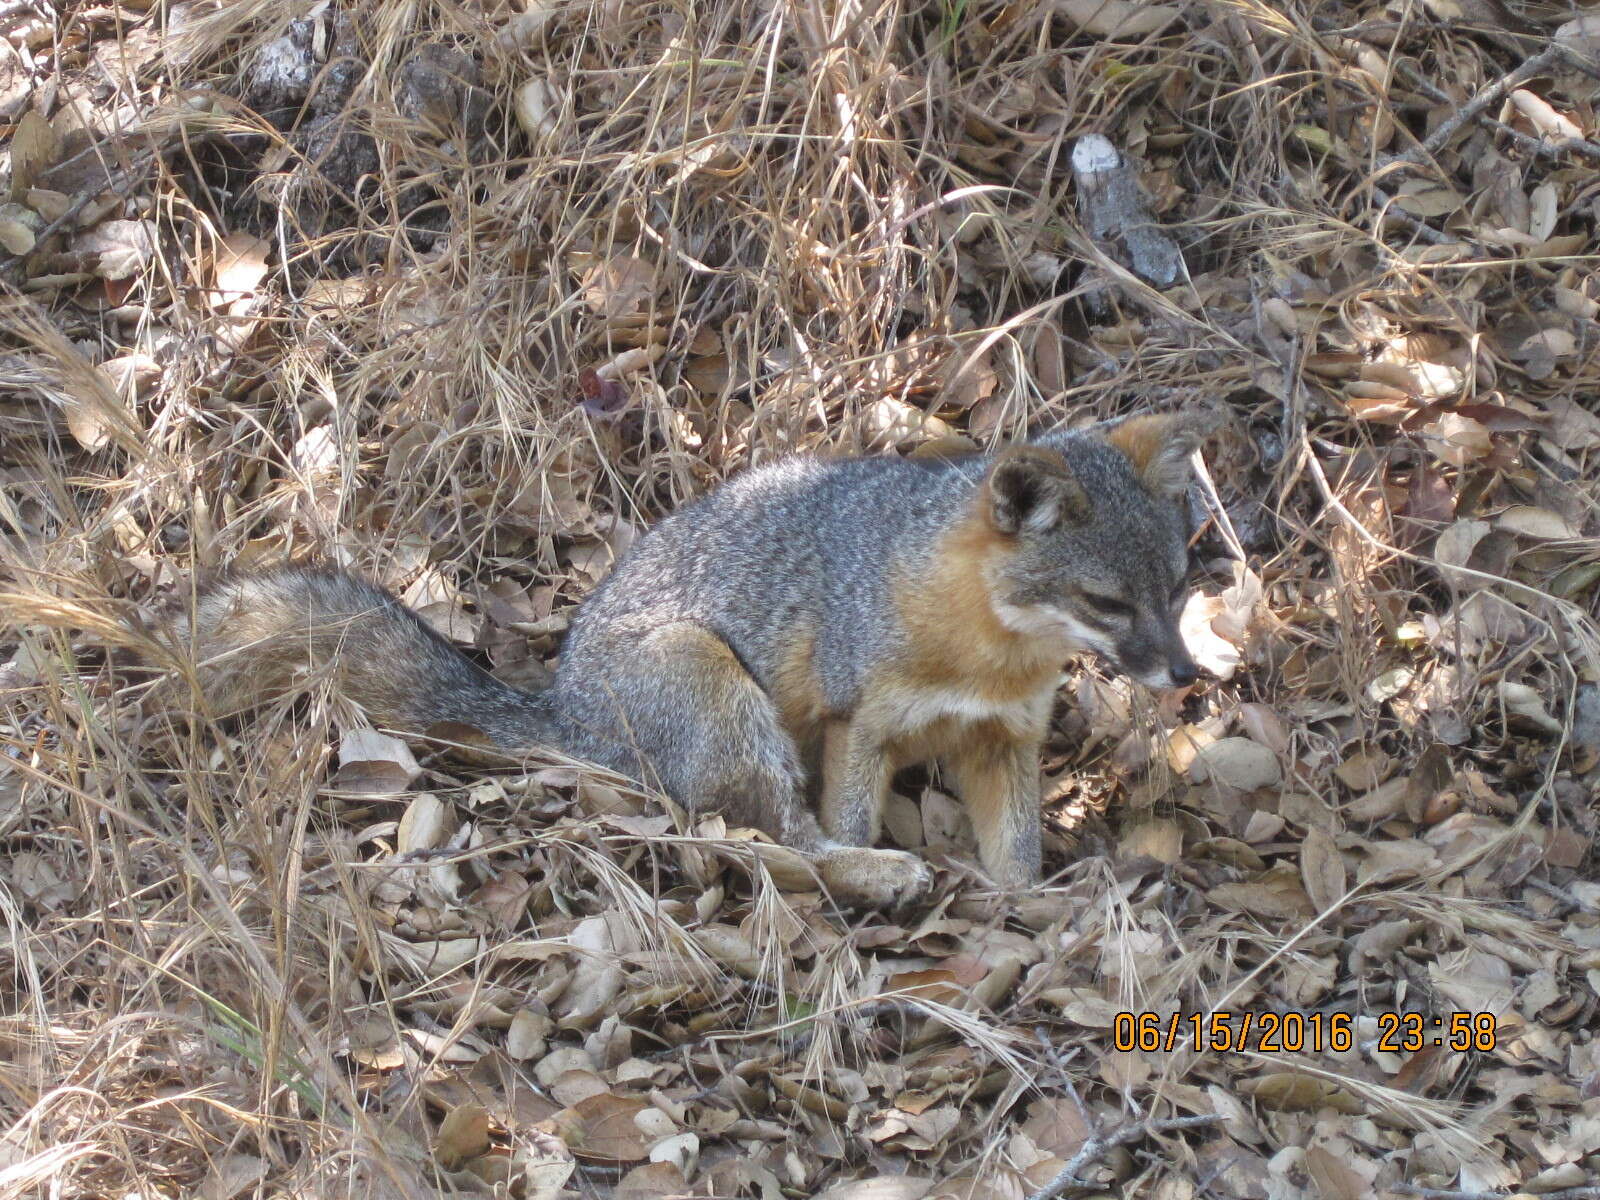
<point>1299,1032</point>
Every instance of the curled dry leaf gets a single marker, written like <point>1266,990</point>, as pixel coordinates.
<point>526,28</point>
<point>597,978</point>
<point>463,1134</point>
<point>1117,18</point>
<point>121,248</point>
<point>425,825</point>
<point>1453,547</point>
<point>1214,653</point>
<point>1083,1006</point>
<point>1457,440</point>
<point>533,105</point>
<point>1157,839</point>
<point>1388,684</point>
<point>37,880</point>
<point>1543,117</point>
<point>544,1163</point>
<point>682,1150</point>
<point>48,203</point>
<point>1475,981</point>
<point>18,224</point>
<point>233,1175</point>
<point>653,1181</point>
<point>374,763</point>
<point>1522,701</point>
<point>525,1038</point>
<point>505,897</point>
<point>1400,858</point>
<point>1288,1091</point>
<point>1544,209</point>
<point>1276,894</point>
<point>133,375</point>
<point>34,144</point>
<point>241,266</point>
<point>791,870</point>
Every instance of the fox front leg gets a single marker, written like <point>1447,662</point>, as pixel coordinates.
<point>998,779</point>
<point>855,777</point>
<point>856,768</point>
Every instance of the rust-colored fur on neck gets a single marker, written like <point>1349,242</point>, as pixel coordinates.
<point>957,640</point>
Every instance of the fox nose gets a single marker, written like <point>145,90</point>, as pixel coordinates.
<point>1183,673</point>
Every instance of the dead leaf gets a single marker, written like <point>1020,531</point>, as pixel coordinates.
<point>1276,894</point>
<point>426,823</point>
<point>505,897</point>
<point>1421,198</point>
<point>1117,18</point>
<point>730,947</point>
<point>533,104</point>
<point>132,375</point>
<point>1529,521</point>
<point>1542,116</point>
<point>679,1150</point>
<point>1322,869</point>
<point>374,763</point>
<point>240,268</point>
<point>1288,1091</point>
<point>884,1187</point>
<point>1057,1126</point>
<point>1236,763</point>
<point>653,1181</point>
<point>1083,1006</point>
<point>619,286</point>
<point>1476,982</point>
<point>17,227</point>
<point>1156,839</point>
<point>1210,649</point>
<point>463,1134</point>
<point>1395,860</point>
<point>1455,439</point>
<point>232,1175</point>
<point>602,1128</point>
<point>545,1164</point>
<point>1453,547</point>
<point>48,203</point>
<point>1523,701</point>
<point>33,148</point>
<point>122,248</point>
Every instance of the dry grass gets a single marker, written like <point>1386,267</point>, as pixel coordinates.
<point>464,296</point>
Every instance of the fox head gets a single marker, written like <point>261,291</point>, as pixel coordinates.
<point>1095,549</point>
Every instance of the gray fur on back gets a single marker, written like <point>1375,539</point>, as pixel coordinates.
<point>802,542</point>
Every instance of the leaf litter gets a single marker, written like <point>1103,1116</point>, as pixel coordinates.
<point>466,297</point>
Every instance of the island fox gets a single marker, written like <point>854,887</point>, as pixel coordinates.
<point>777,649</point>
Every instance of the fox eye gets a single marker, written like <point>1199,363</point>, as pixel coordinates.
<point>1107,606</point>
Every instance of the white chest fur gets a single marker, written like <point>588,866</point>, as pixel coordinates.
<point>914,711</point>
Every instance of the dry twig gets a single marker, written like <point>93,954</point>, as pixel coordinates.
<point>1099,1146</point>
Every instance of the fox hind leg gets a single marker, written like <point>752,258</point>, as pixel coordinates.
<point>704,729</point>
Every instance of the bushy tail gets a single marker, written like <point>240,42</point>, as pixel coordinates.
<point>256,636</point>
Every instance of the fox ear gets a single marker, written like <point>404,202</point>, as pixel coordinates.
<point>1159,445</point>
<point>1031,489</point>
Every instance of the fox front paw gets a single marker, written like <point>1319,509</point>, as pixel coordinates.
<point>874,878</point>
